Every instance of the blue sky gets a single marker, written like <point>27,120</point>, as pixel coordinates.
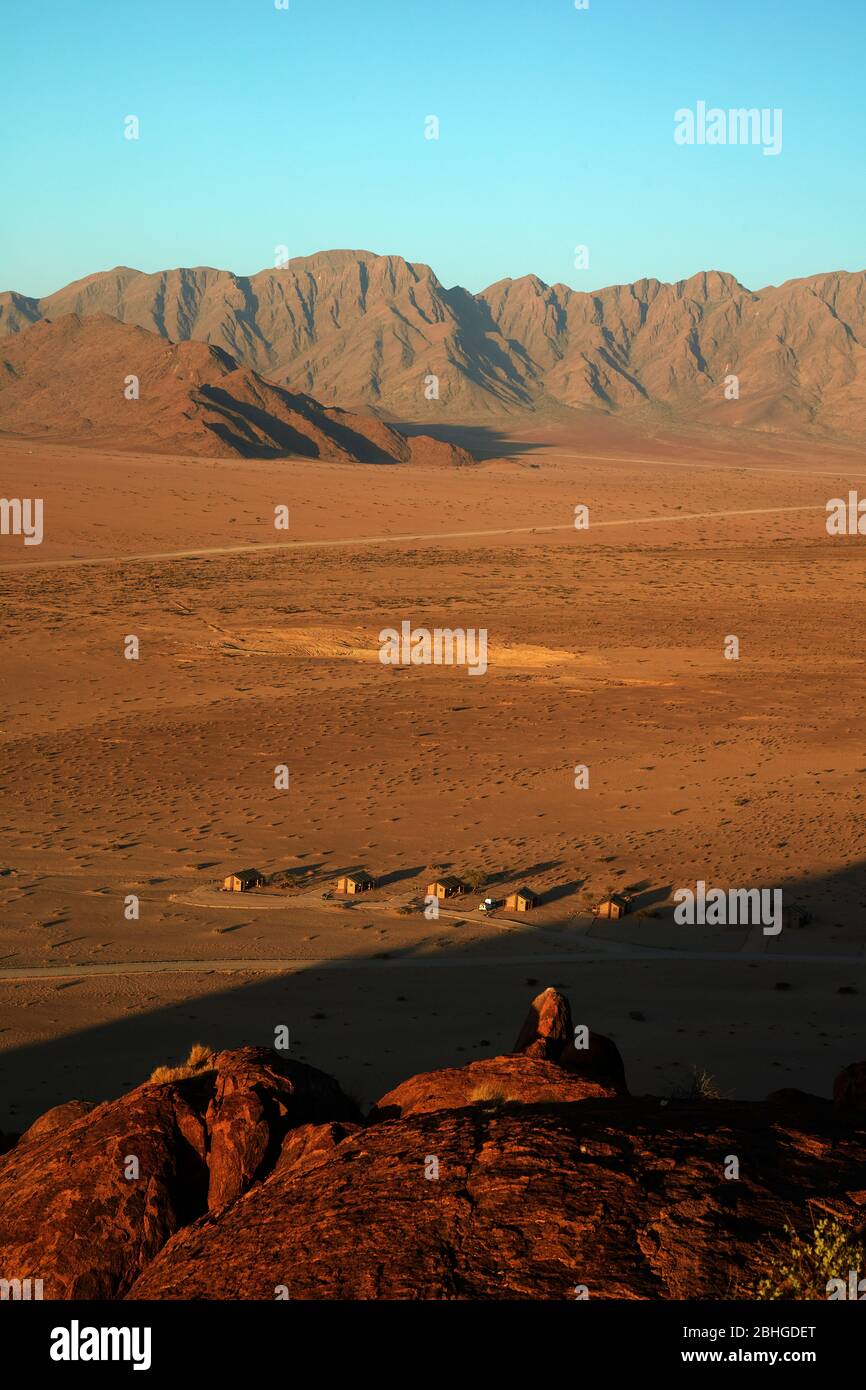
<point>305,127</point>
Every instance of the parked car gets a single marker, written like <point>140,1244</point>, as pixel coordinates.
<point>489,904</point>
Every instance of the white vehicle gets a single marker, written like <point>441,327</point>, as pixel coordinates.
<point>488,905</point>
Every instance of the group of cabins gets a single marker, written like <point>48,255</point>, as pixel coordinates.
<point>448,886</point>
<point>524,899</point>
<point>521,900</point>
<point>611,908</point>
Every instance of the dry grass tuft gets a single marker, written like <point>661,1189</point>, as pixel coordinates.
<point>200,1059</point>
<point>488,1094</point>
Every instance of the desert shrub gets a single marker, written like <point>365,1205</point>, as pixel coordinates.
<point>488,1094</point>
<point>200,1059</point>
<point>701,1085</point>
<point>802,1267</point>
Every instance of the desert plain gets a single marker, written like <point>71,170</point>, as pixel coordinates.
<point>259,648</point>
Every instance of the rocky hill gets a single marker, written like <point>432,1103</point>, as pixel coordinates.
<point>534,1175</point>
<point>94,380</point>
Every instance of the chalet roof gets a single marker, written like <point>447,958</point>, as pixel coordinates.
<point>448,881</point>
<point>524,892</point>
<point>245,874</point>
<point>361,877</point>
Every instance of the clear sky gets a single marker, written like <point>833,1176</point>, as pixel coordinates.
<point>305,127</point>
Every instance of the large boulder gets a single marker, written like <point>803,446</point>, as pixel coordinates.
<point>548,1032</point>
<point>257,1098</point>
<point>599,1061</point>
<point>491,1081</point>
<point>547,1027</point>
<point>58,1117</point>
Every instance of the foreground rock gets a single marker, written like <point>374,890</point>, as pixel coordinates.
<point>86,1202</point>
<point>518,1200</point>
<point>512,1177</point>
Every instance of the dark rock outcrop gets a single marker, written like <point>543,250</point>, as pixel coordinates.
<point>849,1088</point>
<point>512,1177</point>
<point>86,1203</point>
<point>518,1201</point>
<point>548,1032</point>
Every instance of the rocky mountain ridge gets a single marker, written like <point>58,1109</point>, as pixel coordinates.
<point>361,330</point>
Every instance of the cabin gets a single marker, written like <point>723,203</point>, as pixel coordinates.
<point>448,887</point>
<point>242,881</point>
<point>355,883</point>
<point>614,907</point>
<point>521,900</point>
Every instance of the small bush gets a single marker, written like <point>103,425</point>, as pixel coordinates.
<point>803,1268</point>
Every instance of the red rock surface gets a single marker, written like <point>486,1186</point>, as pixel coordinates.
<point>57,1118</point>
<point>622,1195</point>
<point>508,1178</point>
<point>70,1216</point>
<point>494,1080</point>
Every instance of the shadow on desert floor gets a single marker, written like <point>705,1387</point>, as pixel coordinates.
<point>372,1018</point>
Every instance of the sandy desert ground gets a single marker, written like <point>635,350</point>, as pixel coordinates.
<point>155,777</point>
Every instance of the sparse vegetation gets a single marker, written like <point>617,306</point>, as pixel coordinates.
<point>488,1094</point>
<point>803,1267</point>
<point>200,1059</point>
<point>701,1085</point>
<point>475,879</point>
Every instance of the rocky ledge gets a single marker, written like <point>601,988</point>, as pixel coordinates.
<point>532,1175</point>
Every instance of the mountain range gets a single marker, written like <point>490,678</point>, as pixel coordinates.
<point>360,330</point>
